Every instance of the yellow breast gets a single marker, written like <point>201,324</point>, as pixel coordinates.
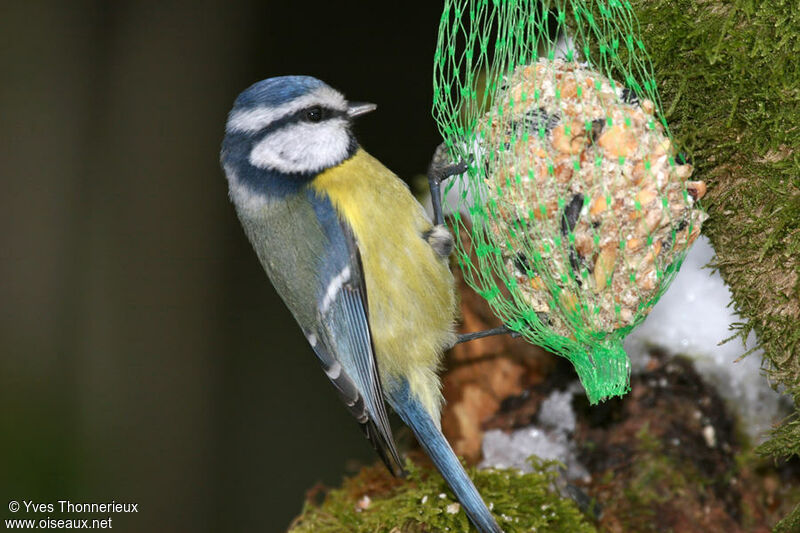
<point>410,292</point>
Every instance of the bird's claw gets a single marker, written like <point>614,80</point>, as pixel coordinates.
<point>442,173</point>
<point>462,166</point>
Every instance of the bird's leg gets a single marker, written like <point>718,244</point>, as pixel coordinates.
<point>501,330</point>
<point>436,175</point>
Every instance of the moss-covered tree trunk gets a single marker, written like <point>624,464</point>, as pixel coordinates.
<point>729,76</point>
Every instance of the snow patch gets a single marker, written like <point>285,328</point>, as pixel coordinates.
<point>550,439</point>
<point>692,318</point>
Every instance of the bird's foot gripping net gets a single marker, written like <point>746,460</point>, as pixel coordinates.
<point>576,210</point>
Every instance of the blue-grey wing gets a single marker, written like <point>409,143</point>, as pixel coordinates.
<point>342,339</point>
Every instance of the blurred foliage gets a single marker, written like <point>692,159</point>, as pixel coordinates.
<point>790,524</point>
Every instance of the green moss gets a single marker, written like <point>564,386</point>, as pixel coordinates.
<point>790,524</point>
<point>784,441</point>
<point>520,502</point>
<point>730,81</point>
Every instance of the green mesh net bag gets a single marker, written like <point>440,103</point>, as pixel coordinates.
<point>577,210</point>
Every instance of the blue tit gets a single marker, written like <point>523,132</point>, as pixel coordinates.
<point>355,259</point>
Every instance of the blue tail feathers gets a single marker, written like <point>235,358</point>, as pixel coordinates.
<point>438,449</point>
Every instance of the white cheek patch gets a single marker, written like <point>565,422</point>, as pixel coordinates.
<point>258,118</point>
<point>303,147</point>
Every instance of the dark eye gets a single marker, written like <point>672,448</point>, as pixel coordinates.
<point>314,114</point>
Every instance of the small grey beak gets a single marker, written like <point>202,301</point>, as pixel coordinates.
<point>355,109</point>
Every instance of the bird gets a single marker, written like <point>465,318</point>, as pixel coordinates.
<point>355,259</point>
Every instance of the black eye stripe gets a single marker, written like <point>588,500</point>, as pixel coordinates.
<point>326,113</point>
<point>299,116</point>
<point>319,113</point>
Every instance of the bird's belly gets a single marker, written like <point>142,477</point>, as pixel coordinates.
<point>409,288</point>
<point>411,308</point>
<point>410,294</point>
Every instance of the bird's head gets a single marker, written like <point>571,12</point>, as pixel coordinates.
<point>291,125</point>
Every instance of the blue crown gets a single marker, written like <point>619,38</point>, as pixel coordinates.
<point>276,91</point>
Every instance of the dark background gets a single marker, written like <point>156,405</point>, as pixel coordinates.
<point>144,355</point>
